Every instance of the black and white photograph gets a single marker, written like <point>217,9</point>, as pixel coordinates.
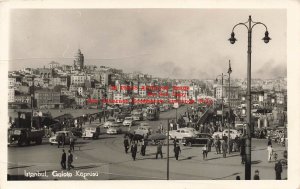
<point>147,94</point>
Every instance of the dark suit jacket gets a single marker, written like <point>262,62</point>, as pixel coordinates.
<point>64,157</point>
<point>70,158</point>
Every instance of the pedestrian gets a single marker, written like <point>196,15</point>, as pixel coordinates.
<point>243,150</point>
<point>59,140</point>
<point>234,147</point>
<point>143,148</point>
<point>159,150</point>
<point>145,145</point>
<point>63,139</point>
<point>256,175</point>
<point>63,160</point>
<point>224,148</point>
<point>133,150</point>
<point>72,143</point>
<point>218,146</point>
<point>209,142</point>
<point>225,138</point>
<point>278,170</point>
<point>270,152</point>
<point>126,144</point>
<point>230,145</point>
<point>70,160</point>
<point>215,144</point>
<point>175,143</point>
<point>204,152</point>
<point>269,141</point>
<point>171,126</point>
<point>177,150</point>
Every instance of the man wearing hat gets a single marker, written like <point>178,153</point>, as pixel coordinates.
<point>256,175</point>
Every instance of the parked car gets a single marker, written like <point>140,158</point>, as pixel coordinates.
<point>76,132</point>
<point>68,135</point>
<point>108,123</point>
<point>183,132</point>
<point>200,139</point>
<point>114,129</point>
<point>128,121</point>
<point>142,130</point>
<point>91,132</point>
<point>119,119</point>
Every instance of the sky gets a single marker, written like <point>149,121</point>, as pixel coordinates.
<point>174,43</point>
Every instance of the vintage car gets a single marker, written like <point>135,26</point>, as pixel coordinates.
<point>199,139</point>
<point>91,132</point>
<point>142,130</point>
<point>114,129</point>
<point>128,121</point>
<point>108,123</point>
<point>183,132</point>
<point>68,135</point>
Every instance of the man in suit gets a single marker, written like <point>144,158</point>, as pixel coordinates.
<point>59,140</point>
<point>278,170</point>
<point>70,160</point>
<point>243,150</point>
<point>63,160</point>
<point>72,143</point>
<point>177,150</point>
<point>126,144</point>
<point>133,150</point>
<point>63,139</point>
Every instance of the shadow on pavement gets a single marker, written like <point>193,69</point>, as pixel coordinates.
<point>85,149</point>
<point>187,158</point>
<point>227,176</point>
<point>256,162</point>
<point>221,157</point>
<point>106,137</point>
<point>19,167</point>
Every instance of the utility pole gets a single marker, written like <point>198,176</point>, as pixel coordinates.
<point>232,40</point>
<point>222,97</point>
<point>229,118</point>
<point>168,149</point>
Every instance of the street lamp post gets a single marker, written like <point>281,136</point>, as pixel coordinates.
<point>229,97</point>
<point>232,40</point>
<point>168,149</point>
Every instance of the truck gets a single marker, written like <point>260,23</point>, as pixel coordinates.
<point>24,136</point>
<point>21,132</point>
